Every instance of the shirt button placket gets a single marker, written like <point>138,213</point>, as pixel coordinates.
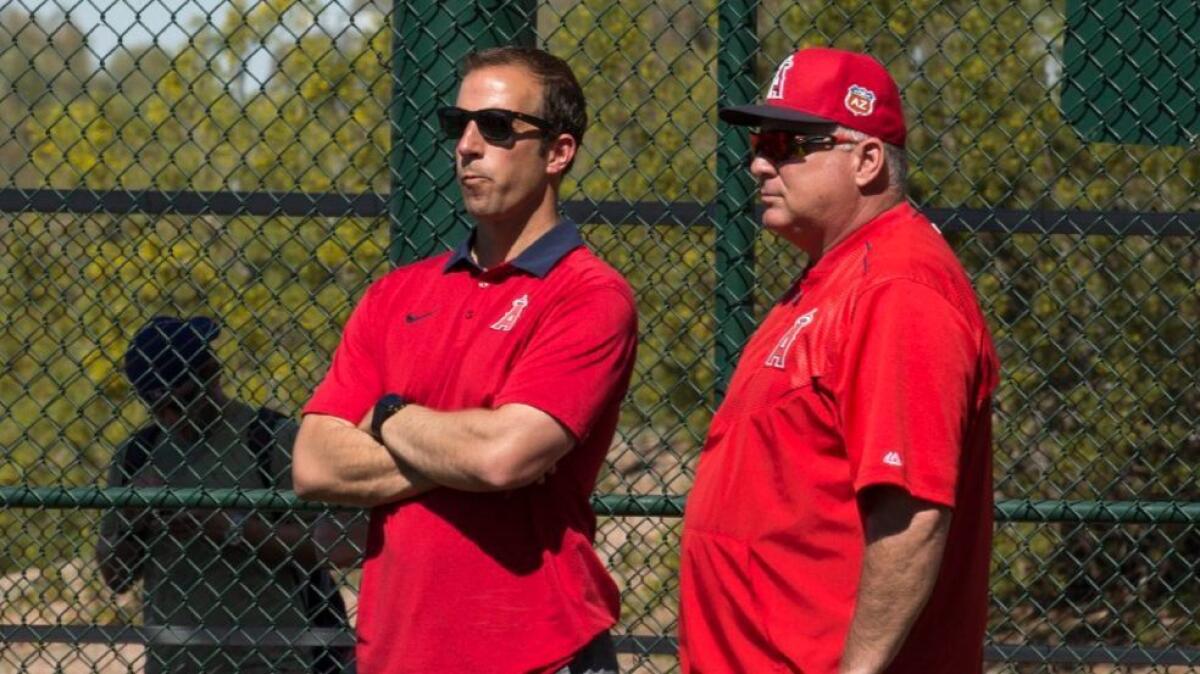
<point>470,313</point>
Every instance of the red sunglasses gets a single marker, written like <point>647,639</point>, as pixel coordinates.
<point>780,146</point>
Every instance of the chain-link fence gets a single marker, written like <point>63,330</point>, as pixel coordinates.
<point>260,162</point>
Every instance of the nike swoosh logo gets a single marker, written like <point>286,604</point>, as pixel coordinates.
<point>413,318</point>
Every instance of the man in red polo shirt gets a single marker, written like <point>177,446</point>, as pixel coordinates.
<point>841,517</point>
<point>471,403</point>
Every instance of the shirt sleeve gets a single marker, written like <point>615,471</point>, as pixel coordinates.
<point>354,381</point>
<point>907,382</point>
<point>579,359</point>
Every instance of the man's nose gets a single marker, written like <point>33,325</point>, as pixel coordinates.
<point>471,143</point>
<point>761,168</point>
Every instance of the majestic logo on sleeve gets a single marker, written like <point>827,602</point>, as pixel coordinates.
<point>778,357</point>
<point>509,319</point>
<point>776,90</point>
<point>860,101</point>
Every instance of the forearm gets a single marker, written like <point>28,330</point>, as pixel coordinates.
<point>900,568</point>
<point>890,596</point>
<point>339,463</point>
<point>452,448</point>
<point>477,450</point>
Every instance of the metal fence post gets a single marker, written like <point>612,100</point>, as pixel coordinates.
<point>735,224</point>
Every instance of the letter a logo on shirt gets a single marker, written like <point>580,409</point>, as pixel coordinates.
<point>893,459</point>
<point>778,357</point>
<point>509,319</point>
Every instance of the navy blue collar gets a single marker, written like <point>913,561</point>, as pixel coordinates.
<point>538,259</point>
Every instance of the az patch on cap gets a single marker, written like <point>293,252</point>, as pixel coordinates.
<point>776,90</point>
<point>860,101</point>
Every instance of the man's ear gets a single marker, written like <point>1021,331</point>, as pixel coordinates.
<point>868,162</point>
<point>559,153</point>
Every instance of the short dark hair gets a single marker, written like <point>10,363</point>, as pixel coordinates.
<point>563,104</point>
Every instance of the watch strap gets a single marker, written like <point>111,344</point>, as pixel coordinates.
<point>385,408</point>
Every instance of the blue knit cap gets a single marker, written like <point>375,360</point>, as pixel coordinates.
<point>165,352</point>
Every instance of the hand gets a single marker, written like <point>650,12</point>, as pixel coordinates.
<point>365,424</point>
<point>140,519</point>
<point>177,523</point>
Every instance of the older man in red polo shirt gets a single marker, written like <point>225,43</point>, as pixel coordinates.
<point>841,517</point>
<point>471,403</point>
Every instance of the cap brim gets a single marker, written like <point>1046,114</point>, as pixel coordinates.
<point>755,115</point>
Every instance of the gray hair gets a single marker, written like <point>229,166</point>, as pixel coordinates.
<point>894,157</point>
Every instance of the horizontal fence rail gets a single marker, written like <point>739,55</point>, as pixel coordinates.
<point>625,643</point>
<point>177,635</point>
<point>374,205</point>
<point>606,505</point>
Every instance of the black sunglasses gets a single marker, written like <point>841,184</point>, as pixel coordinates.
<point>495,124</point>
<point>780,146</point>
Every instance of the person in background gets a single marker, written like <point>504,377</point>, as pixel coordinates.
<point>212,569</point>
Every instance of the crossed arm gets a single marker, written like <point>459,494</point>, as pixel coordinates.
<point>125,536</point>
<point>470,450</point>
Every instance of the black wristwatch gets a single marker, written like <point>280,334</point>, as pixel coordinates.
<point>386,407</point>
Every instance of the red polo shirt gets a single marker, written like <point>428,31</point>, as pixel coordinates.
<point>876,369</point>
<point>489,582</point>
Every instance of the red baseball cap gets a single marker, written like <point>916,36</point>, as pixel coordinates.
<point>829,86</point>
